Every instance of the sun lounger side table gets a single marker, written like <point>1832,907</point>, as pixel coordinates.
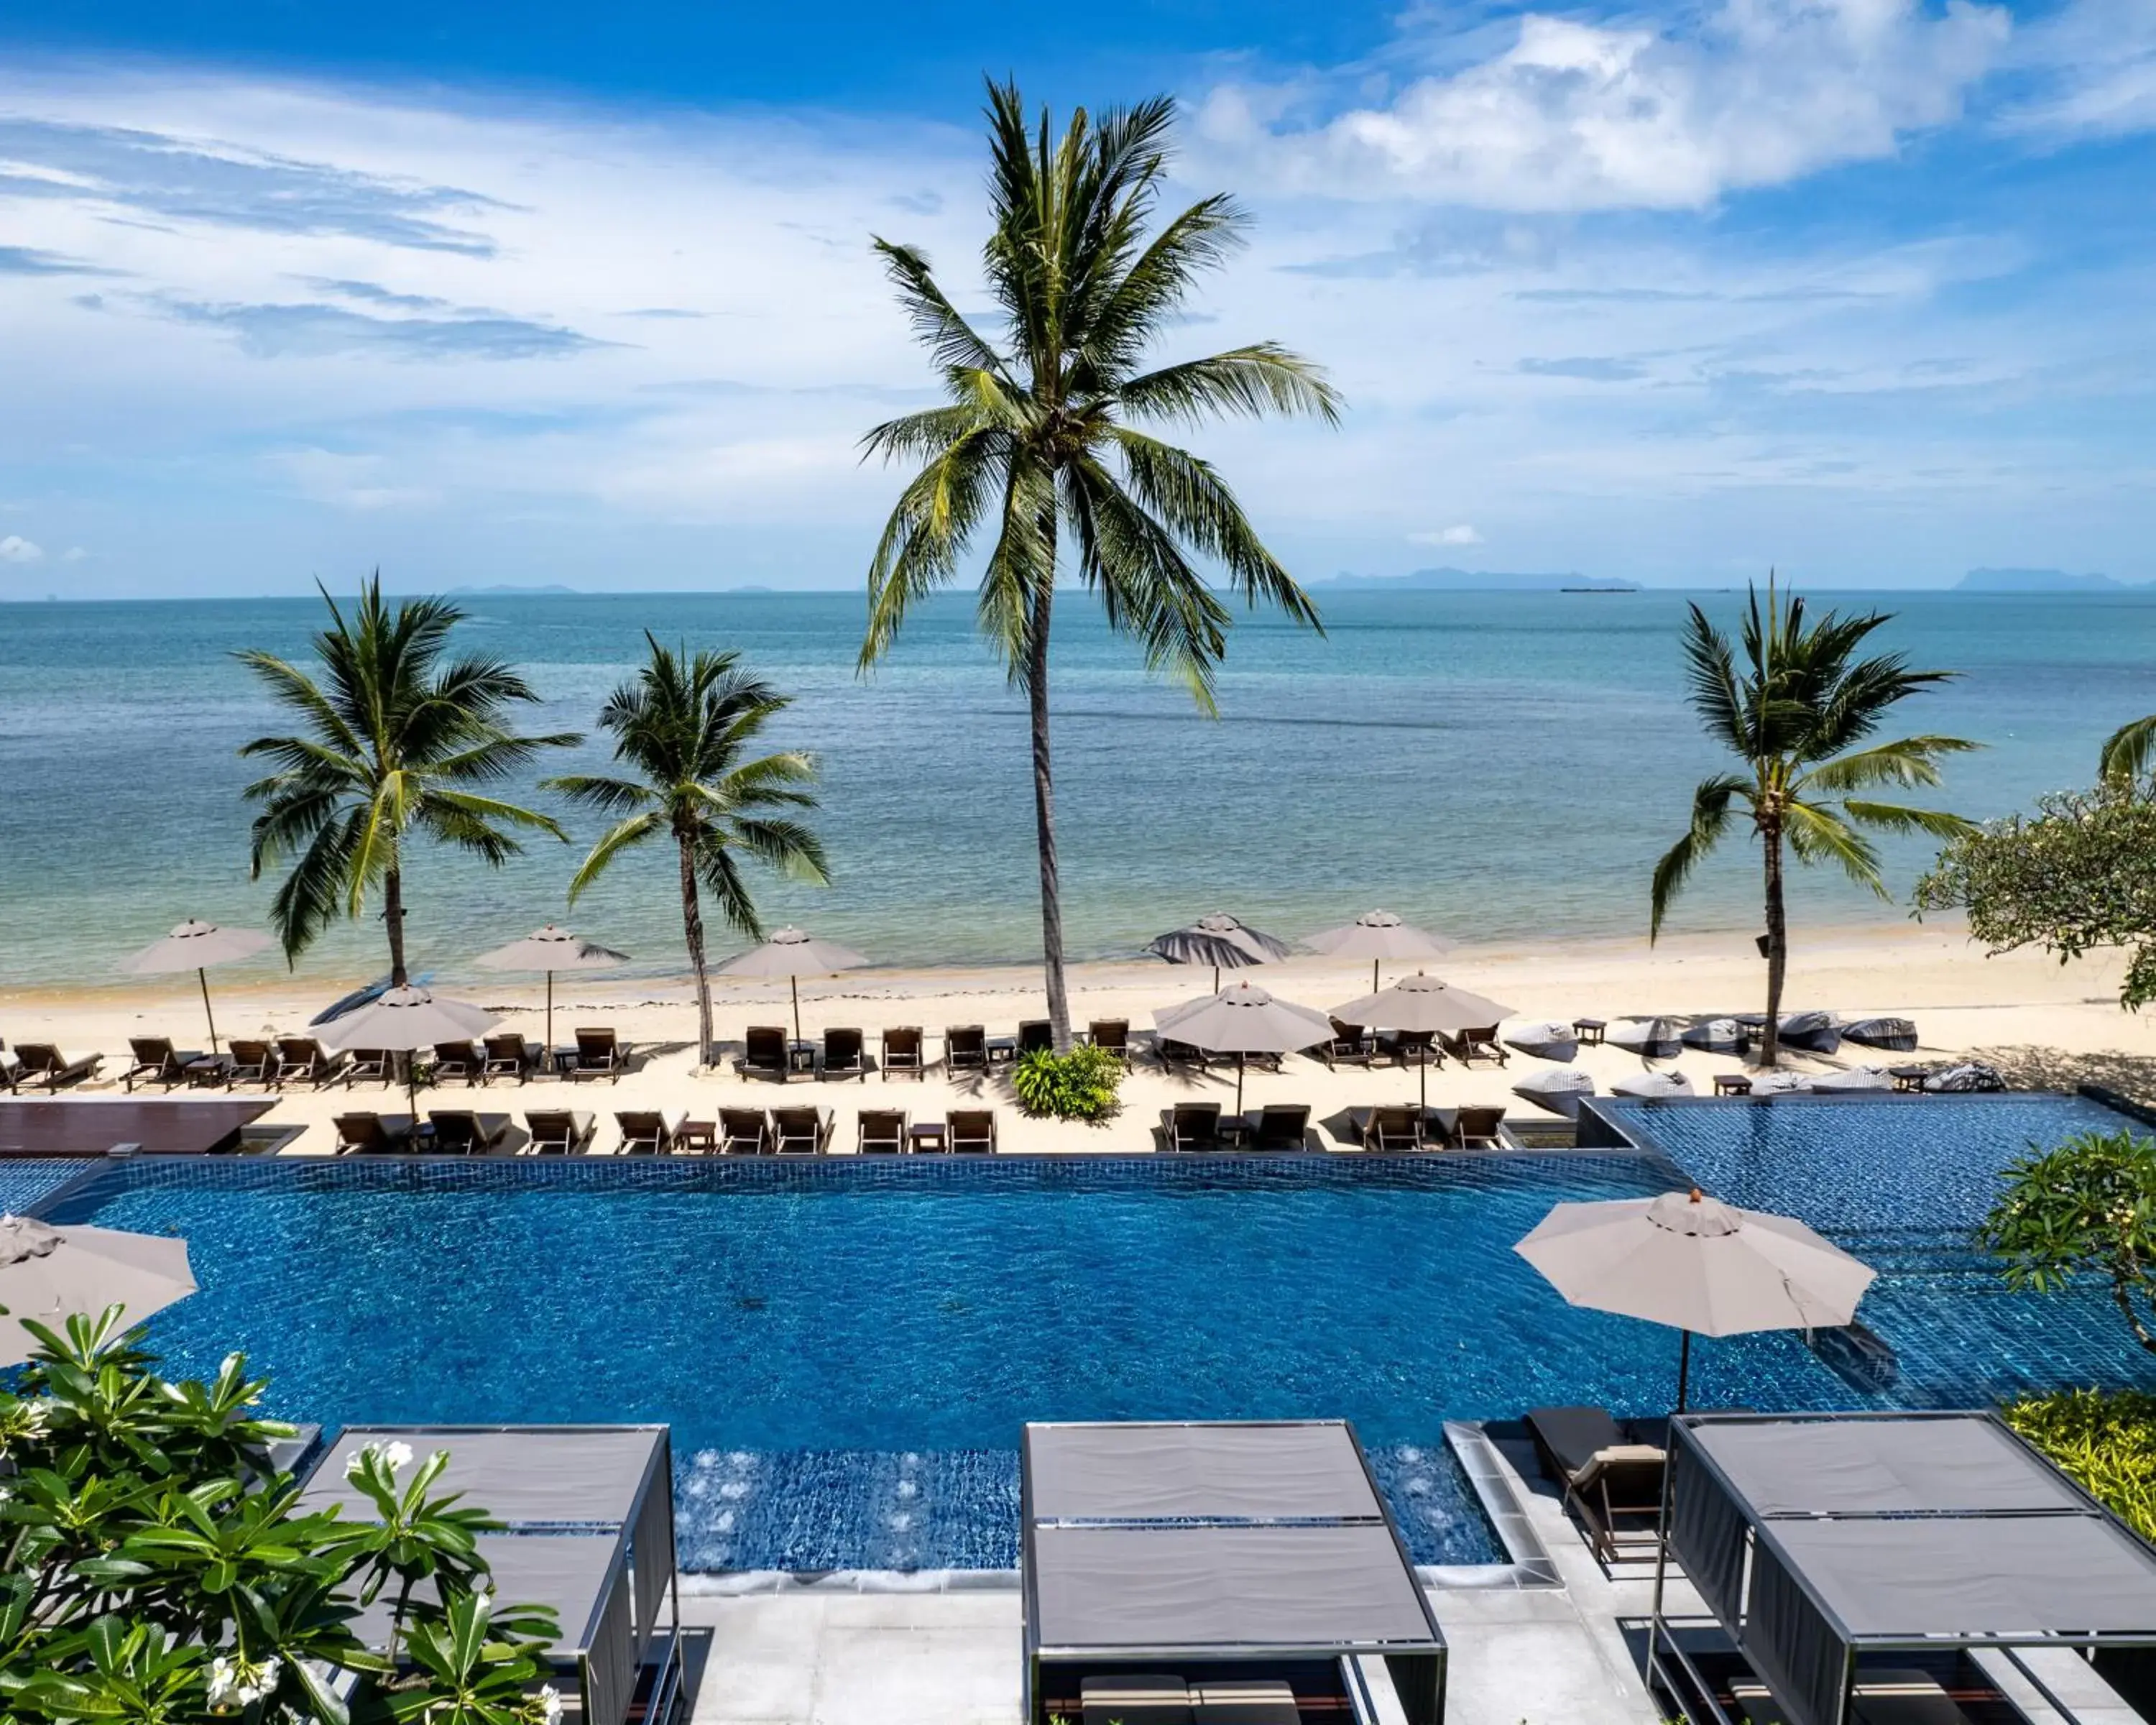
<point>1908,1077</point>
<point>1732,1084</point>
<point>801,1057</point>
<point>1589,1030</point>
<point>1003,1051</point>
<point>697,1135</point>
<point>928,1136</point>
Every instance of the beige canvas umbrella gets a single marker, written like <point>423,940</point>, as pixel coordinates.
<point>1699,1266</point>
<point>1426,1005</point>
<point>1243,1020</point>
<point>1221,941</point>
<point>407,1021</point>
<point>1378,936</point>
<point>792,953</point>
<point>48,1274</point>
<point>551,949</point>
<point>196,946</point>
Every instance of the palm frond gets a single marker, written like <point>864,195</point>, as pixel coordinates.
<point>1819,834</point>
<point>1711,802</point>
<point>1896,818</point>
<point>938,323</point>
<point>2129,751</point>
<point>607,796</point>
<point>1910,761</point>
<point>1247,382</point>
<point>618,838</point>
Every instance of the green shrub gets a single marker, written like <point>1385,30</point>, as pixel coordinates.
<point>2106,1442</point>
<point>1081,1085</point>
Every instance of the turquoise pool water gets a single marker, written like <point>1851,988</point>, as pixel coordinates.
<point>846,1351</point>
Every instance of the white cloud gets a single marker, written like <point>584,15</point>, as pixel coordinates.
<point>1577,115</point>
<point>1461,535</point>
<point>16,549</point>
<point>74,554</point>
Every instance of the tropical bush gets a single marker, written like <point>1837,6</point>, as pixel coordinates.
<point>158,1568</point>
<point>1081,1085</point>
<point>2106,1442</point>
<point>2087,1206</point>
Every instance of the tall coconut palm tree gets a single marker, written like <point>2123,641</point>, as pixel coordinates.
<point>1799,715</point>
<point>684,723</point>
<point>396,739</point>
<point>1040,435</point>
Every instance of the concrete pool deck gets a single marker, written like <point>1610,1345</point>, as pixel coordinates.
<point>1548,1656</point>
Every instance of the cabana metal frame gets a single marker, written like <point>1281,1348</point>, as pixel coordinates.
<point>588,1515</point>
<point>1191,1546</point>
<point>1818,1540</point>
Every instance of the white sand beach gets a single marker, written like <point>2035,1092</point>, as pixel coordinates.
<point>2043,1023</point>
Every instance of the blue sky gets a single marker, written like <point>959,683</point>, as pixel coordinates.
<point>582,294</point>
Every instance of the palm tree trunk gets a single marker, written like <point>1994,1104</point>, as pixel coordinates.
<point>392,919</point>
<point>1043,813</point>
<point>692,931</point>
<point>1778,948</point>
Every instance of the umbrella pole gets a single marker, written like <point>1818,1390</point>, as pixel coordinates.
<point>550,1012</point>
<point>1684,1368</point>
<point>202,976</point>
<point>1216,979</point>
<point>795,983</point>
<point>1374,976</point>
<point>1422,1068</point>
<point>1239,1081</point>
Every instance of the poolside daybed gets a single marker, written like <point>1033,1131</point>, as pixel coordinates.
<point>1839,1553</point>
<point>589,1515</point>
<point>1170,1570</point>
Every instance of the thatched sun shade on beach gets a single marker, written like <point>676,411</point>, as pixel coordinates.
<point>551,949</point>
<point>1425,1005</point>
<point>1221,941</point>
<point>1378,936</point>
<point>1696,1265</point>
<point>48,1274</point>
<point>196,946</point>
<point>792,953</point>
<point>407,1020</point>
<point>1243,1020</point>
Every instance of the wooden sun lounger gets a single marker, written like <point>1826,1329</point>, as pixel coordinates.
<point>1192,1126</point>
<point>301,1059</point>
<point>843,1056</point>
<point>965,1048</point>
<point>881,1132</point>
<point>1035,1036</point>
<point>1476,1128</point>
<point>252,1062</point>
<point>507,1057</point>
<point>458,1060</point>
<point>1281,1127</point>
<point>1467,1046</point>
<point>373,1133</point>
<point>799,1132</point>
<point>459,1131</point>
<point>649,1132</point>
<point>763,1053</point>
<point>599,1055</point>
<point>1350,1045</point>
<point>901,1052</point>
<point>156,1061</point>
<point>1112,1034</point>
<point>558,1131</point>
<point>45,1063</point>
<point>973,1130</point>
<point>743,1132</point>
<point>1388,1130</point>
<point>378,1065</point>
<point>1612,1482</point>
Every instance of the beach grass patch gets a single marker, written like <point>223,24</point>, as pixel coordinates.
<point>2106,1440</point>
<point>1082,1085</point>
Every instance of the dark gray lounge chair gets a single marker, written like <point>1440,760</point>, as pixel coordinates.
<point>973,1130</point>
<point>1477,1128</point>
<point>507,1057</point>
<point>1282,1126</point>
<point>600,1054</point>
<point>1390,1130</point>
<point>1172,1053</point>
<point>458,1060</point>
<point>1611,1480</point>
<point>844,1056</point>
<point>903,1056</point>
<point>882,1131</point>
<point>1192,1126</point>
<point>301,1059</point>
<point>1035,1036</point>
<point>965,1048</point>
<point>1112,1034</point>
<point>1481,1044</point>
<point>1349,1046</point>
<point>252,1063</point>
<point>156,1061</point>
<point>43,1063</point>
<point>459,1131</point>
<point>558,1131</point>
<point>649,1132</point>
<point>743,1132</point>
<point>799,1132</point>
<point>368,1132</point>
<point>763,1053</point>
<point>376,1065</point>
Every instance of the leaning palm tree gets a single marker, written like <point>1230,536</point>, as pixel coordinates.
<point>685,724</point>
<point>397,738</point>
<point>1040,434</point>
<point>2129,752</point>
<point>1799,715</point>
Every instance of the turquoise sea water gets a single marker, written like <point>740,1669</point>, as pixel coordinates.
<point>1494,765</point>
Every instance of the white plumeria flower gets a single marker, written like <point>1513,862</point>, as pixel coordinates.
<point>264,1682</point>
<point>34,1416</point>
<point>397,1456</point>
<point>550,1703</point>
<point>222,1685</point>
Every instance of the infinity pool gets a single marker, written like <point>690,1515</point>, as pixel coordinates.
<point>846,1351</point>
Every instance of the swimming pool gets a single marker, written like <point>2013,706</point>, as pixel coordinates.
<point>846,1350</point>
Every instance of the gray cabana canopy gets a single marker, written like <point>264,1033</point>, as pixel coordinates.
<point>1199,1544</point>
<point>1817,1538</point>
<point>589,1515</point>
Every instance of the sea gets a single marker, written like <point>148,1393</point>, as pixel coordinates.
<point>1501,767</point>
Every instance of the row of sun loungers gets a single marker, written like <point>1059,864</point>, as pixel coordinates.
<point>290,1060</point>
<point>42,1065</point>
<point>650,1131</point>
<point>769,1052</point>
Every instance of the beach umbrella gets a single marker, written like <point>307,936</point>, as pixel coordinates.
<point>1378,936</point>
<point>407,1021</point>
<point>1243,1020</point>
<point>1221,941</point>
<point>1698,1265</point>
<point>792,953</point>
<point>1426,1005</point>
<point>551,949</point>
<point>196,946</point>
<point>48,1274</point>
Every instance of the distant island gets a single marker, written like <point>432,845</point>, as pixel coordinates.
<point>2043,580</point>
<point>1476,581</point>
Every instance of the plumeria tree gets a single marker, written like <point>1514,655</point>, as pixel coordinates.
<point>2087,1207</point>
<point>157,1568</point>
